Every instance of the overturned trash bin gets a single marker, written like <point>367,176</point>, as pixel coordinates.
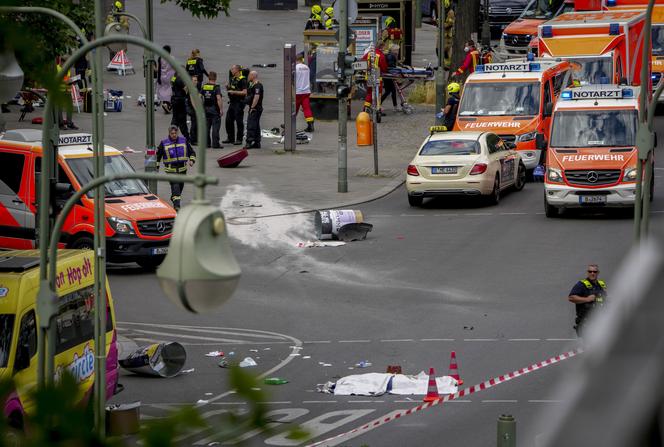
<point>329,222</point>
<point>123,419</point>
<point>233,159</point>
<point>159,359</point>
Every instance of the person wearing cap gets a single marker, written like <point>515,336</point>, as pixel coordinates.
<point>452,105</point>
<point>255,93</point>
<point>303,91</point>
<point>177,154</point>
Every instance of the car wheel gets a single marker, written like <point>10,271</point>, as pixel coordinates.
<point>550,210</point>
<point>150,263</point>
<point>415,200</point>
<point>494,198</point>
<point>83,243</point>
<point>520,181</point>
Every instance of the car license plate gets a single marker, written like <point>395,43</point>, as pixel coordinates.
<point>160,251</point>
<point>444,170</point>
<point>592,200</point>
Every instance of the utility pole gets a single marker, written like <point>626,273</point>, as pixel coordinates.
<point>440,72</point>
<point>418,13</point>
<point>342,94</point>
<point>149,69</point>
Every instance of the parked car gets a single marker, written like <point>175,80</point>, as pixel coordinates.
<point>502,13</point>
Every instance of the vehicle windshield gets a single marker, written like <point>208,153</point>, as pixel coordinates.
<point>592,70</point>
<point>586,128</point>
<point>6,329</point>
<point>451,147</point>
<point>114,164</point>
<point>658,40</point>
<point>541,9</point>
<point>500,99</point>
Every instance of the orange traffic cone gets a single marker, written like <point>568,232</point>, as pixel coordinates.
<point>432,389</point>
<point>454,369</point>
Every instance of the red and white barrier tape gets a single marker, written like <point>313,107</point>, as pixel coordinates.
<point>465,392</point>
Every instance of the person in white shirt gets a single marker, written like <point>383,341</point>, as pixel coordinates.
<point>302,91</point>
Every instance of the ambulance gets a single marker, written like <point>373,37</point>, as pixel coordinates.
<point>592,157</point>
<point>657,57</point>
<point>514,100</point>
<point>74,327</point>
<point>603,47</point>
<point>138,223</point>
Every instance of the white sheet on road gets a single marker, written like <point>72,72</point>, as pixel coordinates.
<point>376,384</point>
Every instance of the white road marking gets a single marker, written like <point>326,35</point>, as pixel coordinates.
<point>345,439</point>
<point>513,214</point>
<point>544,401</point>
<point>289,415</point>
<point>480,339</point>
<point>524,339</point>
<point>438,339</point>
<point>499,401</point>
<point>561,339</point>
<point>196,337</point>
<point>354,341</point>
<point>397,340</point>
<point>317,341</point>
<point>318,426</point>
<point>478,214</point>
<point>366,401</point>
<point>319,401</point>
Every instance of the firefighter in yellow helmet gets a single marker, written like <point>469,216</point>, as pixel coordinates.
<point>315,20</point>
<point>330,21</point>
<point>391,34</point>
<point>452,105</point>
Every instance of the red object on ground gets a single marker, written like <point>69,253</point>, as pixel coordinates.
<point>432,389</point>
<point>233,159</point>
<point>454,369</point>
<point>37,120</point>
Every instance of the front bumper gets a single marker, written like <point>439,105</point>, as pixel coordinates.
<point>131,248</point>
<point>421,187</point>
<point>563,196</point>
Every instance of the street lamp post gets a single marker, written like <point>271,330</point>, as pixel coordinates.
<point>47,301</point>
<point>440,70</point>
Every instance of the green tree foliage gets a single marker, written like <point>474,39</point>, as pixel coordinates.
<point>203,8</point>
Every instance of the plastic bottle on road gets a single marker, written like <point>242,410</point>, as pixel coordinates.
<point>275,381</point>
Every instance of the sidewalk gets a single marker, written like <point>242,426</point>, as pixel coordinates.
<point>304,179</point>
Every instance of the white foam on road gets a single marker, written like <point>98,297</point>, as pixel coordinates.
<point>242,203</point>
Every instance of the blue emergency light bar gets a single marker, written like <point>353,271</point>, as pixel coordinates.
<point>547,31</point>
<point>611,3</point>
<point>597,94</point>
<point>614,29</point>
<point>503,67</point>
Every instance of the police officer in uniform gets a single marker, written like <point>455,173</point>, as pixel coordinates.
<point>177,154</point>
<point>237,92</point>
<point>213,109</point>
<point>191,114</point>
<point>255,95</point>
<point>195,67</point>
<point>587,294</point>
<point>179,103</point>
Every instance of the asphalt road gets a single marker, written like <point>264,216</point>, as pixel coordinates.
<point>488,282</point>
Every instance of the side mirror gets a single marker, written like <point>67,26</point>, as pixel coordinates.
<point>540,142</point>
<point>62,188</point>
<point>548,109</point>
<point>22,358</point>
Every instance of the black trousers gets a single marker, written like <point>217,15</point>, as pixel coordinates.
<point>193,130</point>
<point>180,116</point>
<point>389,88</point>
<point>176,192</point>
<point>254,127</point>
<point>213,120</point>
<point>234,118</point>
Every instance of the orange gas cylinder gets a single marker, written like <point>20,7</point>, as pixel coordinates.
<point>364,129</point>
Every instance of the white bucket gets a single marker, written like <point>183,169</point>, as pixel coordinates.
<point>328,222</point>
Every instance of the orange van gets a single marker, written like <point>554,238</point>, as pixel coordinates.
<point>138,223</point>
<point>514,100</point>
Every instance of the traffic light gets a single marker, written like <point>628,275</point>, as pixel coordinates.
<point>345,65</point>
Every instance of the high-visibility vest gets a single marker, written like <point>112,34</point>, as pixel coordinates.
<point>175,155</point>
<point>589,286</point>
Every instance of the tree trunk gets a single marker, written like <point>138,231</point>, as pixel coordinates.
<point>465,24</point>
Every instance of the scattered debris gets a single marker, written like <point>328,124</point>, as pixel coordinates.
<point>275,381</point>
<point>246,204</point>
<point>248,362</point>
<point>253,350</point>
<point>223,364</point>
<point>306,357</point>
<point>186,371</point>
<point>328,222</point>
<point>267,349</point>
<point>469,328</point>
<point>209,394</point>
<point>233,159</point>
<point>202,401</point>
<point>231,353</point>
<point>304,271</point>
<point>158,359</point>
<point>294,354</point>
<point>363,364</point>
<point>312,244</point>
<point>214,354</point>
<point>394,369</point>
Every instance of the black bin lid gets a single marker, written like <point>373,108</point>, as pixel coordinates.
<point>17,263</point>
